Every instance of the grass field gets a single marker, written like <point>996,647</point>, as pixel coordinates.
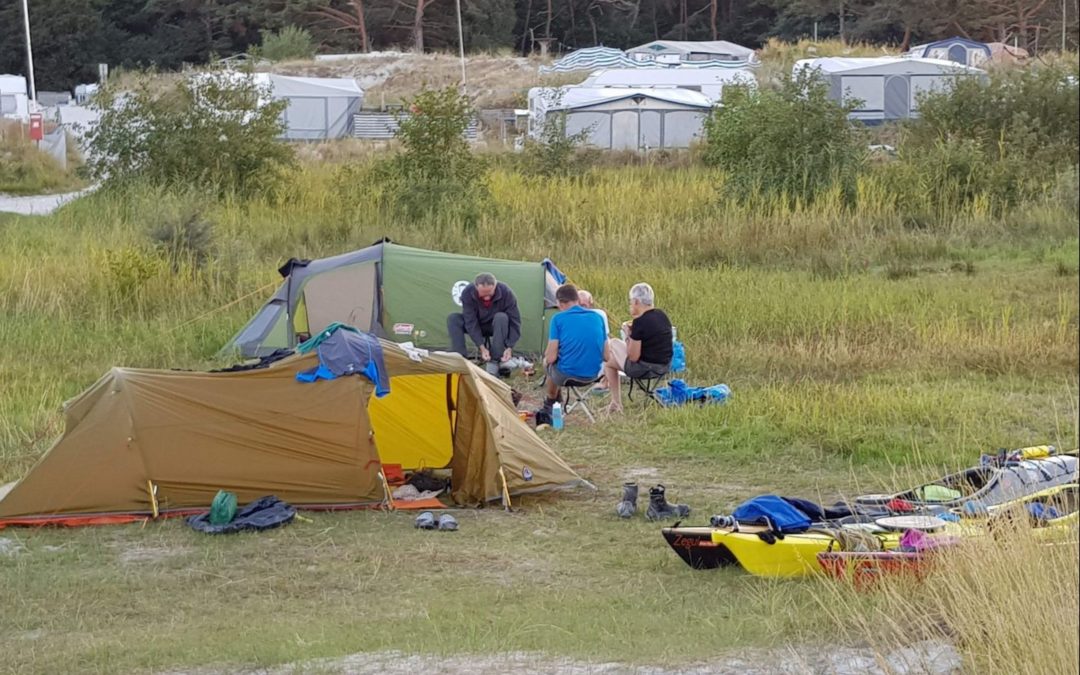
<point>863,353</point>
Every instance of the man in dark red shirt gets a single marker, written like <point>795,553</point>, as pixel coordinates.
<point>489,311</point>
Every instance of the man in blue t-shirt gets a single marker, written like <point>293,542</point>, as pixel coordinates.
<point>577,344</point>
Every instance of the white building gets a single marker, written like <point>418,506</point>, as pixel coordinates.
<point>669,52</point>
<point>14,102</point>
<point>887,88</point>
<point>708,81</point>
<point>623,118</point>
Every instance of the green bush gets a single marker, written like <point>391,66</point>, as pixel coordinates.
<point>183,236</point>
<point>128,270</point>
<point>436,175</point>
<point>555,152</point>
<point>789,141</point>
<point>216,131</point>
<point>291,43</point>
<point>1027,115</point>
<point>1001,139</point>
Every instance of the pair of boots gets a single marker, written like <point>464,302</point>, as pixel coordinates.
<point>658,509</point>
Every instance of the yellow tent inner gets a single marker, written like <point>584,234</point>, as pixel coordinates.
<point>414,425</point>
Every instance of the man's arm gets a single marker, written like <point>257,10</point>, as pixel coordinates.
<point>551,352</point>
<point>514,314</point>
<point>472,322</point>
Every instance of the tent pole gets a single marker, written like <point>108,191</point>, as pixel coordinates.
<point>152,490</point>
<point>386,488</point>
<point>505,491</point>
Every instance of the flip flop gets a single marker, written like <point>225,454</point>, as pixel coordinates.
<point>425,521</point>
<point>448,523</point>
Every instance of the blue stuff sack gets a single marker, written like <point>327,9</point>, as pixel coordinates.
<point>773,511</point>
<point>677,393</point>
<point>678,357</point>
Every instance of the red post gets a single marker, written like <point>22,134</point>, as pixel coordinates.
<point>37,127</point>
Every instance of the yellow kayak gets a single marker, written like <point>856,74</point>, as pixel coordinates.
<point>1063,521</point>
<point>794,555</point>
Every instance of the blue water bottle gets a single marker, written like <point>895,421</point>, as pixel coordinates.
<point>556,416</point>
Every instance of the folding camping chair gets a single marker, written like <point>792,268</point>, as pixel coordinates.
<point>578,390</point>
<point>647,385</point>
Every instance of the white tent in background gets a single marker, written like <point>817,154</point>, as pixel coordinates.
<point>623,118</point>
<point>888,88</point>
<point>708,81</point>
<point>956,49</point>
<point>14,102</point>
<point>317,108</point>
<point>674,52</point>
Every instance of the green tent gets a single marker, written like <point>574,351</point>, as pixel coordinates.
<point>401,293</point>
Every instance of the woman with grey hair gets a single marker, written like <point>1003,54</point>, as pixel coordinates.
<point>646,347</point>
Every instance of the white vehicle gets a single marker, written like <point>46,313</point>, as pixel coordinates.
<point>14,102</point>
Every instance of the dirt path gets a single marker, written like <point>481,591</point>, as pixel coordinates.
<point>38,205</point>
<point>926,658</point>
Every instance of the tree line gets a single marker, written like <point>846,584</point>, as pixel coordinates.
<point>71,37</point>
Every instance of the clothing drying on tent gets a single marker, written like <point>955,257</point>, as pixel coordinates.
<point>141,442</point>
<point>343,350</point>
<point>399,293</point>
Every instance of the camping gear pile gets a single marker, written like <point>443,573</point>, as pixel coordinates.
<point>873,535</point>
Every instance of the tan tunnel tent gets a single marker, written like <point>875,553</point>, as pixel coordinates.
<point>144,440</point>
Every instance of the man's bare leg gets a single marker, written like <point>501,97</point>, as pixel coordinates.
<point>616,359</point>
<point>551,389</point>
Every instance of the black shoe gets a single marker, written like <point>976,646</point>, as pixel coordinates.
<point>660,509</point>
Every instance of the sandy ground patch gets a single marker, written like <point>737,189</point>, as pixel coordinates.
<point>925,658</point>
